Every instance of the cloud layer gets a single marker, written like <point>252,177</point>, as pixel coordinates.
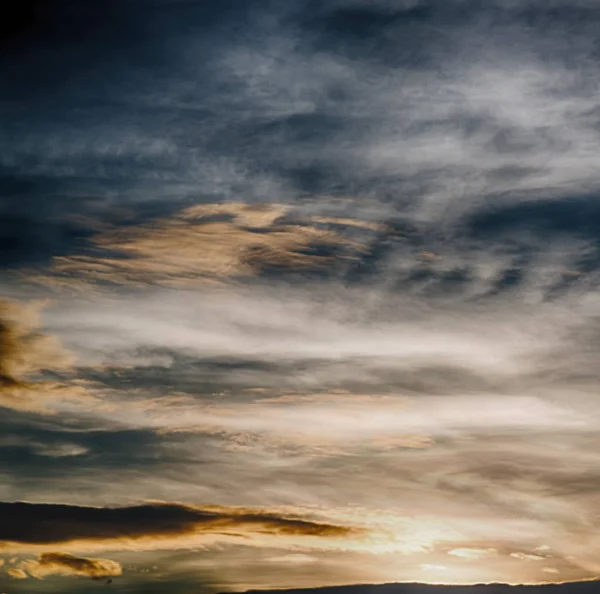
<point>331,266</point>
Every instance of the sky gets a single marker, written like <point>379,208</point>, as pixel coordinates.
<point>298,294</point>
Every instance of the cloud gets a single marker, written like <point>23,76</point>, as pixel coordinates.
<point>26,352</point>
<point>293,558</point>
<point>68,565</point>
<point>527,556</point>
<point>155,525</point>
<point>22,349</point>
<point>430,168</point>
<point>345,104</point>
<point>208,243</point>
<point>369,79</point>
<point>17,574</point>
<point>472,553</point>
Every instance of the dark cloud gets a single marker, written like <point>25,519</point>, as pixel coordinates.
<point>179,102</point>
<point>30,452</point>
<point>423,34</point>
<point>386,36</point>
<point>67,68</point>
<point>238,377</point>
<point>573,217</point>
<point>43,524</point>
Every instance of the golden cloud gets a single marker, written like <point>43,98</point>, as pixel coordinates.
<point>204,243</point>
<point>26,352</point>
<point>65,564</point>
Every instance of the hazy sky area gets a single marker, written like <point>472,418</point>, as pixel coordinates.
<point>298,293</point>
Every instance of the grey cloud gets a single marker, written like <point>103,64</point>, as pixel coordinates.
<point>239,379</point>
<point>37,457</point>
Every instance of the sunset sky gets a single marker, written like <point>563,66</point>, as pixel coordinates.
<point>297,293</point>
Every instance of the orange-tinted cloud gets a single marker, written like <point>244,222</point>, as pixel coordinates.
<point>41,525</point>
<point>16,574</point>
<point>25,352</point>
<point>69,565</point>
<point>204,243</point>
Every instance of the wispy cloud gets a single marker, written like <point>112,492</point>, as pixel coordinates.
<point>207,243</point>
